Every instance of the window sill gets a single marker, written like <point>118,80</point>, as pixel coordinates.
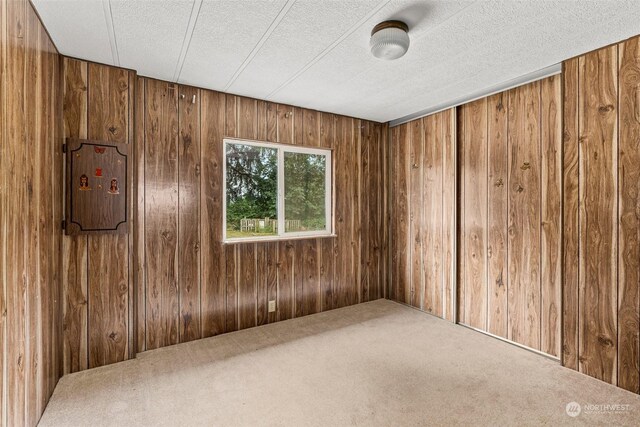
<point>276,239</point>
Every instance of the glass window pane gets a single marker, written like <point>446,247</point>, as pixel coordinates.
<point>304,192</point>
<point>252,191</point>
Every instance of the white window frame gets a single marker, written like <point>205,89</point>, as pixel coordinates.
<point>281,149</point>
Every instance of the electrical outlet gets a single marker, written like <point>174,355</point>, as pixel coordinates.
<point>272,306</point>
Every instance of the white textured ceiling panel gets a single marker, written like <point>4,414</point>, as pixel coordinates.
<point>356,61</point>
<point>150,34</point>
<point>484,44</point>
<point>78,28</point>
<point>309,27</point>
<point>225,35</point>
<point>315,54</point>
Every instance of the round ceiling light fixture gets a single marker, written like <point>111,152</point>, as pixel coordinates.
<point>389,40</point>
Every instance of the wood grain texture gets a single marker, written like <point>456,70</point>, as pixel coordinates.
<point>138,212</point>
<point>188,284</point>
<point>189,213</point>
<point>629,216</point>
<point>74,248</point>
<point>161,212</point>
<point>461,287</point>
<point>247,286</point>
<point>422,222</point>
<point>551,216</point>
<point>598,129</point>
<point>401,255</point>
<point>570,216</point>
<point>520,191</point>
<point>107,255</point>
<point>328,246</point>
<point>475,209</point>
<point>31,341</point>
<point>418,197</point>
<point>16,247</point>
<point>213,262</point>
<point>524,215</point>
<point>497,211</point>
<point>449,211</point>
<point>601,308</point>
<point>432,236</point>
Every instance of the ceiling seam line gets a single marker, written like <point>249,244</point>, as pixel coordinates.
<point>188,36</point>
<point>108,17</point>
<point>329,48</point>
<point>415,37</point>
<point>276,22</point>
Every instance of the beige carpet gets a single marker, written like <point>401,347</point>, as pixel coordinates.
<point>378,363</point>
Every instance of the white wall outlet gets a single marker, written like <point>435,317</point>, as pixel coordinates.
<point>272,306</point>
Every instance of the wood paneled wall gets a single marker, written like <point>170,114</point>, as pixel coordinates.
<point>96,270</point>
<point>173,274</point>
<point>601,298</point>
<point>510,214</point>
<point>191,285</point>
<point>30,215</point>
<point>423,188</point>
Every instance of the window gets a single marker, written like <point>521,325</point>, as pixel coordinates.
<point>275,191</point>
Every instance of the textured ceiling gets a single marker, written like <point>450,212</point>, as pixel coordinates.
<point>315,54</point>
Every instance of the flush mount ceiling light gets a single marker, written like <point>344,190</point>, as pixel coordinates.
<point>389,40</point>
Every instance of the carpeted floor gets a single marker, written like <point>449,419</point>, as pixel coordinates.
<point>378,363</point>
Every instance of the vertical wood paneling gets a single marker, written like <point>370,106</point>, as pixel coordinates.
<point>598,235</point>
<point>4,211</point>
<point>601,301</point>
<point>432,200</point>
<point>475,210</point>
<point>269,279</point>
<point>419,201</point>
<point>161,211</point>
<point>342,214</point>
<point>400,254</point>
<point>570,241</point>
<point>285,280</point>
<point>55,354</point>
<point>510,262</point>
<point>74,248</point>
<point>33,133</point>
<point>366,155</point>
<point>108,255</point>
<point>190,284</point>
<point>231,280</point>
<point>247,127</point>
<point>132,338</point>
<point>449,232</point>
<point>551,216</point>
<point>311,253</point>
<point>30,241</point>
<point>189,213</point>
<point>422,218</point>
<point>16,247</point>
<point>213,253</point>
<point>231,252</point>
<point>461,241</point>
<point>328,246</point>
<point>629,216</point>
<point>497,193</point>
<point>139,260</point>
<point>268,275</point>
<point>524,215</point>
<point>376,181</point>
<point>247,286</point>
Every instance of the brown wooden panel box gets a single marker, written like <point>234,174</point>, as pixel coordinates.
<point>96,187</point>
